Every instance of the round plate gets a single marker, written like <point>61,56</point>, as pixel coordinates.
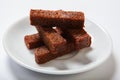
<point>84,60</point>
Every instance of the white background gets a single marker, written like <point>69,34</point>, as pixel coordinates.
<point>106,13</point>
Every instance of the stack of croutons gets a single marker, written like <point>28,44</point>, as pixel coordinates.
<point>59,33</point>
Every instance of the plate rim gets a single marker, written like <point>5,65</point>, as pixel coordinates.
<point>62,72</point>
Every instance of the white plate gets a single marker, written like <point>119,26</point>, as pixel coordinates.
<point>84,60</point>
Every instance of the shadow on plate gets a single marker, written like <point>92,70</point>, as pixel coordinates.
<point>82,56</point>
<point>103,72</point>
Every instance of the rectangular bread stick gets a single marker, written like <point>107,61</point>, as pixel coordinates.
<point>60,18</point>
<point>43,55</point>
<point>80,37</point>
<point>53,40</point>
<point>33,41</point>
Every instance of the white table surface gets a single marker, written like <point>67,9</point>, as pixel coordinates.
<point>103,12</point>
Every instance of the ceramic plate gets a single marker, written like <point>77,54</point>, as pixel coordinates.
<point>77,62</point>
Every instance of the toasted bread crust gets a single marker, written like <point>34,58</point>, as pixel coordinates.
<point>60,18</point>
